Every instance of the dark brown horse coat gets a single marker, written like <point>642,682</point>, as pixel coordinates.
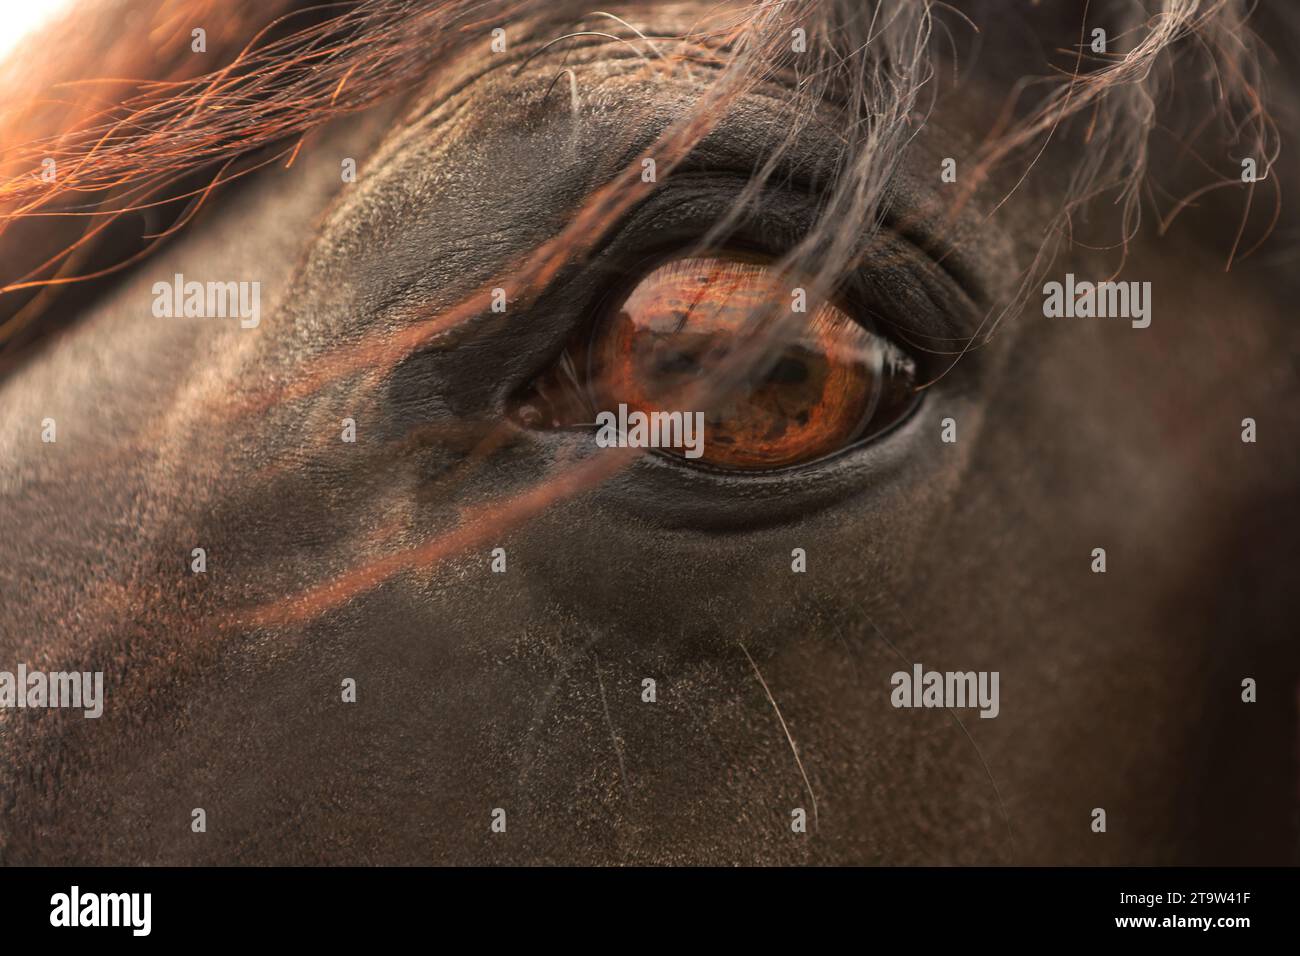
<point>370,562</point>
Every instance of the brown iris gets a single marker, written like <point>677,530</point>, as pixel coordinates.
<point>683,341</point>
<point>685,323</point>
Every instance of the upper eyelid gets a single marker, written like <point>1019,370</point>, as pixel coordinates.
<point>949,258</point>
<point>783,216</point>
<point>926,299</point>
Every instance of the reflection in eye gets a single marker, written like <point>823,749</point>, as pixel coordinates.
<point>832,385</point>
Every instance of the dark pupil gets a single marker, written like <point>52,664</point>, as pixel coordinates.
<point>675,362</point>
<point>788,371</point>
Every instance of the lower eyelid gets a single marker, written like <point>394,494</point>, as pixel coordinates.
<point>697,498</point>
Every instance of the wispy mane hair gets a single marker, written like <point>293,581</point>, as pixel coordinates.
<point>123,147</point>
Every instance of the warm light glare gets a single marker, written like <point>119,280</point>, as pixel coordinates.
<point>20,17</point>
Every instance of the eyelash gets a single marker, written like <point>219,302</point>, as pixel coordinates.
<point>672,221</point>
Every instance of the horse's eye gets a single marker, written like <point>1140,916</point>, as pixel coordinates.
<point>681,341</point>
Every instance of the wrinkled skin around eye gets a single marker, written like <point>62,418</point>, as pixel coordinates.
<point>685,324</point>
